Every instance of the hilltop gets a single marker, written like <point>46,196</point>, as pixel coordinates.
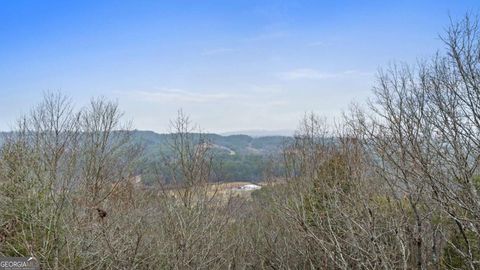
<point>238,157</point>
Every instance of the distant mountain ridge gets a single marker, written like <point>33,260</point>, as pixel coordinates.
<point>261,133</point>
<point>238,157</point>
<point>239,143</point>
<point>229,144</point>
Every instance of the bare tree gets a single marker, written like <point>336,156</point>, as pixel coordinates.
<point>194,216</point>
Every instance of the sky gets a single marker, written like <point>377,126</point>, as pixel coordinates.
<point>231,65</point>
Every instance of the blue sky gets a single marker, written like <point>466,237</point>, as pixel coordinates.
<point>231,65</point>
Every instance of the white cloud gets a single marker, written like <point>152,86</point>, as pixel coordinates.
<point>305,73</point>
<point>217,51</point>
<point>178,95</point>
<point>325,42</point>
<point>357,73</point>
<point>272,35</point>
<point>312,74</point>
<point>317,44</point>
<point>271,89</point>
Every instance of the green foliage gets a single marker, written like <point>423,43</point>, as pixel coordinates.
<point>237,157</point>
<point>476,182</point>
<point>263,196</point>
<point>452,259</point>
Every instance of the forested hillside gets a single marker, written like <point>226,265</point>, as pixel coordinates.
<point>237,157</point>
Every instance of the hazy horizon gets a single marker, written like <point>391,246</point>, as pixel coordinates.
<point>251,133</point>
